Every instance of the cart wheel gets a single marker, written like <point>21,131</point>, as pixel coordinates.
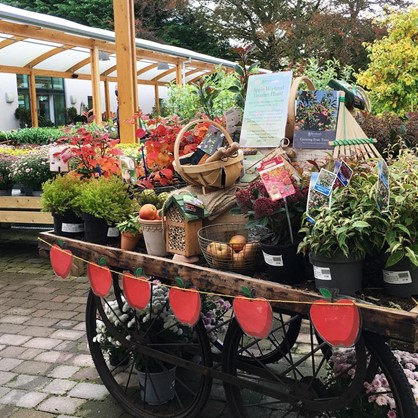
<point>151,346</point>
<point>282,337</point>
<point>313,379</point>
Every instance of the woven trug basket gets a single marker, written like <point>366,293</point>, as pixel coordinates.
<point>214,241</point>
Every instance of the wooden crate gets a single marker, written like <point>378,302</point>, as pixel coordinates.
<point>23,210</point>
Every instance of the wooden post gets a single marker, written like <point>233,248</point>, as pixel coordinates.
<point>179,65</point>
<point>157,98</point>
<point>107,99</point>
<point>126,66</point>
<point>95,81</point>
<point>32,99</point>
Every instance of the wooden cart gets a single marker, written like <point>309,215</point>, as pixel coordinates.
<point>292,373</point>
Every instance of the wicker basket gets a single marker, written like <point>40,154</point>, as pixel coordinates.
<point>219,254</point>
<point>214,175</point>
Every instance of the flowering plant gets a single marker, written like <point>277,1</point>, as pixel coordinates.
<point>6,163</point>
<point>379,402</point>
<point>262,211</point>
<point>32,170</point>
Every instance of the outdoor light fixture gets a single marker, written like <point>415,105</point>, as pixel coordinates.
<point>163,66</point>
<point>10,97</point>
<point>104,56</point>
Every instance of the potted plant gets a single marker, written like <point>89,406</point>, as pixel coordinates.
<point>104,202</point>
<point>32,170</point>
<point>341,236</point>
<point>279,221</point>
<point>130,230</point>
<point>400,272</point>
<point>59,196</point>
<point>6,179</point>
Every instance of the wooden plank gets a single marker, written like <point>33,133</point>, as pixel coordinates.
<point>20,202</point>
<point>95,85</point>
<point>33,100</point>
<point>26,217</point>
<point>400,325</point>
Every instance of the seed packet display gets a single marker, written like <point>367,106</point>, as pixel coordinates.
<point>382,187</point>
<point>343,172</point>
<point>276,178</point>
<point>325,182</point>
<point>316,200</point>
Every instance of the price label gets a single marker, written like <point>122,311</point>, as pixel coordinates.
<point>112,232</point>
<point>273,260</point>
<point>73,228</point>
<point>322,273</point>
<point>397,277</point>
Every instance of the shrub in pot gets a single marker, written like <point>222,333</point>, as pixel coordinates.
<point>279,229</point>
<point>60,197</point>
<point>6,179</point>
<point>130,230</point>
<point>104,202</point>
<point>345,233</point>
<point>400,272</point>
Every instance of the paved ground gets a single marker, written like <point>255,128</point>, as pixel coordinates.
<point>45,367</point>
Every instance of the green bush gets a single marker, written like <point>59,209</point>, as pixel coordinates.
<point>38,136</point>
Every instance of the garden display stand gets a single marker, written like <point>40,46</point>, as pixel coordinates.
<point>248,367</point>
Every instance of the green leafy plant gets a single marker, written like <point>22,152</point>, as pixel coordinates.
<point>243,70</point>
<point>352,226</point>
<point>105,198</point>
<point>401,234</point>
<point>60,194</point>
<point>38,136</point>
<point>130,224</point>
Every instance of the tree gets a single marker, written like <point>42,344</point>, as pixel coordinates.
<point>392,75</point>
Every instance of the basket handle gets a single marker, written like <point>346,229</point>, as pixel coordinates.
<point>290,126</point>
<point>185,129</point>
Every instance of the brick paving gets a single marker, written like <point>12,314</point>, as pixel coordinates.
<point>46,370</point>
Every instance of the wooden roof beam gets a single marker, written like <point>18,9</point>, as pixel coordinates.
<point>47,55</point>
<point>11,41</point>
<point>164,73</point>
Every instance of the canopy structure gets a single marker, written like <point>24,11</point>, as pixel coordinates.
<point>36,44</point>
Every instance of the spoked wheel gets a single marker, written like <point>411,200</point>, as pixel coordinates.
<point>313,379</point>
<point>143,343</point>
<point>282,337</point>
<point>296,385</point>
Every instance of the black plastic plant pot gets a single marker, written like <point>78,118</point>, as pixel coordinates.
<point>68,224</point>
<point>401,279</point>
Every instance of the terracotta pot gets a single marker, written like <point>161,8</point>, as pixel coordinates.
<point>128,240</point>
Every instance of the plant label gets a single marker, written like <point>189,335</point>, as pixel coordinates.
<point>276,178</point>
<point>382,186</point>
<point>127,168</point>
<point>233,119</point>
<point>322,273</point>
<point>316,200</point>
<point>56,161</point>
<point>343,172</point>
<point>273,260</point>
<point>325,182</point>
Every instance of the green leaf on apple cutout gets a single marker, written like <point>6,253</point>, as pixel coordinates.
<point>101,261</point>
<point>139,272</point>
<point>180,282</point>
<point>246,292</point>
<point>60,243</point>
<point>325,293</point>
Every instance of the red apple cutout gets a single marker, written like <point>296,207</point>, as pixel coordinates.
<point>186,305</point>
<point>137,290</point>
<point>61,261</point>
<point>254,316</point>
<point>100,278</point>
<point>337,323</point>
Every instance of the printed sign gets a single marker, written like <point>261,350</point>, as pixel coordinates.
<point>265,113</point>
